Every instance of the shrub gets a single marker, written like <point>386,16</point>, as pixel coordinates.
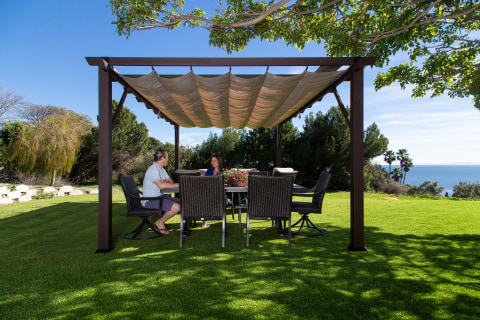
<point>392,187</point>
<point>427,188</point>
<point>466,190</point>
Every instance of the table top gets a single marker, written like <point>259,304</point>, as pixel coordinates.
<point>227,189</point>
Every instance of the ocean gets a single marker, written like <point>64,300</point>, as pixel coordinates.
<point>446,175</point>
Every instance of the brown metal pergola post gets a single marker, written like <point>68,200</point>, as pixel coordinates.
<point>104,161</point>
<point>279,146</point>
<point>356,141</point>
<point>177,147</point>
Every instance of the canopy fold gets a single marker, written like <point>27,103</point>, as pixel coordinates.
<point>229,100</point>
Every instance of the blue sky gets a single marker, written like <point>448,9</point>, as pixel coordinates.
<point>43,45</point>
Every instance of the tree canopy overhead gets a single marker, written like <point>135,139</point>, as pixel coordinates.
<point>439,36</point>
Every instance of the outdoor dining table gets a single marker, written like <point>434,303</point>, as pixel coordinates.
<point>232,190</point>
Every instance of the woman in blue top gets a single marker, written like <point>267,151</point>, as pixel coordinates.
<point>216,162</point>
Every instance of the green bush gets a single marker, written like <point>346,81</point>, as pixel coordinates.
<point>466,190</point>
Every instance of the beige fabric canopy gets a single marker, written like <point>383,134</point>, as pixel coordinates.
<point>228,100</point>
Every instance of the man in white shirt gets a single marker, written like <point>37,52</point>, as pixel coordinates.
<point>156,178</point>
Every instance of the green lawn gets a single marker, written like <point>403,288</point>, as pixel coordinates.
<point>423,262</point>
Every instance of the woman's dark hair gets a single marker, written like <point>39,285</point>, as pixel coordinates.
<point>219,159</point>
<point>159,154</point>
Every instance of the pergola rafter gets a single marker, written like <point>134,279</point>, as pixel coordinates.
<point>327,66</point>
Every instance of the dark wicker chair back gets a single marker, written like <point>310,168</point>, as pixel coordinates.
<point>286,174</point>
<point>135,208</point>
<point>270,198</point>
<point>132,194</point>
<point>315,206</point>
<point>176,175</point>
<point>202,198</point>
<point>320,189</point>
<point>259,173</point>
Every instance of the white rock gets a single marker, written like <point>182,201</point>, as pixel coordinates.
<point>60,194</point>
<point>22,188</point>
<point>76,193</point>
<point>31,192</point>
<point>93,191</point>
<point>6,201</point>
<point>49,189</point>
<point>24,198</point>
<point>14,194</point>
<point>66,189</point>
<point>4,190</point>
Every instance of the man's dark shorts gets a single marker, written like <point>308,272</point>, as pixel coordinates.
<point>167,203</point>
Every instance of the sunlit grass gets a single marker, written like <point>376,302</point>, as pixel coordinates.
<point>422,263</point>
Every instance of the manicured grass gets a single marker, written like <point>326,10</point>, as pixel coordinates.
<point>422,262</point>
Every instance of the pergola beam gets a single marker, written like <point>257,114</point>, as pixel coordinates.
<point>218,62</point>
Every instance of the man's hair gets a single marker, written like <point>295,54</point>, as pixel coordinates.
<point>159,154</point>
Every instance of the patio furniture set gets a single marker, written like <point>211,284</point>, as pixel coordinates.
<point>205,198</point>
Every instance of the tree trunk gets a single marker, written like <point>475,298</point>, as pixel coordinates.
<point>52,182</point>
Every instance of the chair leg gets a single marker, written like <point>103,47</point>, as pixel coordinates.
<point>181,231</point>
<point>248,229</point>
<point>305,221</point>
<point>289,231</point>
<point>223,231</point>
<point>140,228</point>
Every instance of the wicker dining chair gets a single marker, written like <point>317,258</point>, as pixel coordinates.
<point>270,198</point>
<point>315,206</point>
<point>202,198</point>
<point>135,209</point>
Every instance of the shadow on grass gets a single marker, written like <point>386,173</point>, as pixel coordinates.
<point>50,270</point>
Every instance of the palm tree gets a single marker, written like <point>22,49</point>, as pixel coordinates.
<point>405,162</point>
<point>389,157</point>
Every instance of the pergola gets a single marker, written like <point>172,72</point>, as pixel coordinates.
<point>228,100</point>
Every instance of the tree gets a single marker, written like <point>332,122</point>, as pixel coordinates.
<point>397,174</point>
<point>437,35</point>
<point>224,145</point>
<point>9,101</point>
<point>49,145</point>
<point>130,143</point>
<point>258,147</point>
<point>426,188</point>
<point>405,163</point>
<point>8,133</point>
<point>389,157</point>
<point>325,143</point>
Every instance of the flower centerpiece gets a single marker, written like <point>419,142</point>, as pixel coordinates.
<point>235,178</point>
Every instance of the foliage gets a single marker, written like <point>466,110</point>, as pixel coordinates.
<point>8,133</point>
<point>49,145</point>
<point>85,169</point>
<point>466,190</point>
<point>428,188</point>
<point>398,174</point>
<point>391,186</point>
<point>258,148</point>
<point>437,35</point>
<point>389,157</point>
<point>405,162</point>
<point>130,143</point>
<point>235,178</point>
<point>326,141</point>
<point>373,177</point>
<point>224,145</point>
